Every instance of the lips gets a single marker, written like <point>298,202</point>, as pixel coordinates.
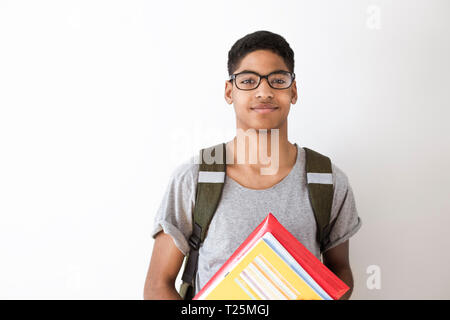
<point>264,108</point>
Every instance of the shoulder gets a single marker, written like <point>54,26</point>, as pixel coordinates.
<point>341,185</point>
<point>343,198</point>
<point>186,171</point>
<point>340,178</point>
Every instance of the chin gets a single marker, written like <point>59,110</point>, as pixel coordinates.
<point>265,125</point>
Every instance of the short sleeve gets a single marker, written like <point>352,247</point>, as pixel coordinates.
<point>174,215</point>
<point>345,221</point>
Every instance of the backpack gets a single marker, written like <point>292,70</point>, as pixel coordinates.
<point>210,183</point>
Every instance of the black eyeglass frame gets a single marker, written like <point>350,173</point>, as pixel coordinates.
<point>233,77</point>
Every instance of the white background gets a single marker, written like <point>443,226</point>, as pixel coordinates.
<point>101,100</point>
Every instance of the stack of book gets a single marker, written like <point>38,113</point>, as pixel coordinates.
<point>271,264</point>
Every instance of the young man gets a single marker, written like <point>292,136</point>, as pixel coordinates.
<point>261,87</point>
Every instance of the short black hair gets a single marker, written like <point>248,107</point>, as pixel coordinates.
<point>260,40</point>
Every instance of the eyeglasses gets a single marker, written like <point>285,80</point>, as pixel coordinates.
<point>249,80</point>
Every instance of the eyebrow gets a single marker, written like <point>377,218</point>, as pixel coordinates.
<point>258,73</point>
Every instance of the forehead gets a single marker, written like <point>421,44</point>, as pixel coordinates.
<point>262,62</point>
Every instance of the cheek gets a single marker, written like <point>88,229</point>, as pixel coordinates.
<point>285,100</point>
<point>241,102</point>
<point>240,109</point>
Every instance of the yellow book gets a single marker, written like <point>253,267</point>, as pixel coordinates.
<point>261,274</point>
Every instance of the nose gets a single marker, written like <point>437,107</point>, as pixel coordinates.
<point>264,90</point>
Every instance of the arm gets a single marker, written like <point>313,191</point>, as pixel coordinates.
<point>164,266</point>
<point>336,259</point>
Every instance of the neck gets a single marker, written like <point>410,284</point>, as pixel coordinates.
<point>263,151</point>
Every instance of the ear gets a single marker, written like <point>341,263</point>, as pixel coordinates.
<point>228,92</point>
<point>294,92</point>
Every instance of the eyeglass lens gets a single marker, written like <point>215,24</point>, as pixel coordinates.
<point>248,81</point>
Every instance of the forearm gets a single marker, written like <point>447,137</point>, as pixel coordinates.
<point>345,274</point>
<point>164,292</point>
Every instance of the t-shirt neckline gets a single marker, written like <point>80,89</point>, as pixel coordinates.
<point>275,186</point>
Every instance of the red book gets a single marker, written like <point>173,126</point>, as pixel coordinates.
<point>324,277</point>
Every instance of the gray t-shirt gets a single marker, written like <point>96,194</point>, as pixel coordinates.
<point>242,209</point>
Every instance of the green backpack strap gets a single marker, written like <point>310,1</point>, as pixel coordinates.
<point>211,178</point>
<point>319,180</point>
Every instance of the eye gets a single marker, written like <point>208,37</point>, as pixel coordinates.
<point>279,81</point>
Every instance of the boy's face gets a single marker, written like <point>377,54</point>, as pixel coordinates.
<point>263,62</point>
